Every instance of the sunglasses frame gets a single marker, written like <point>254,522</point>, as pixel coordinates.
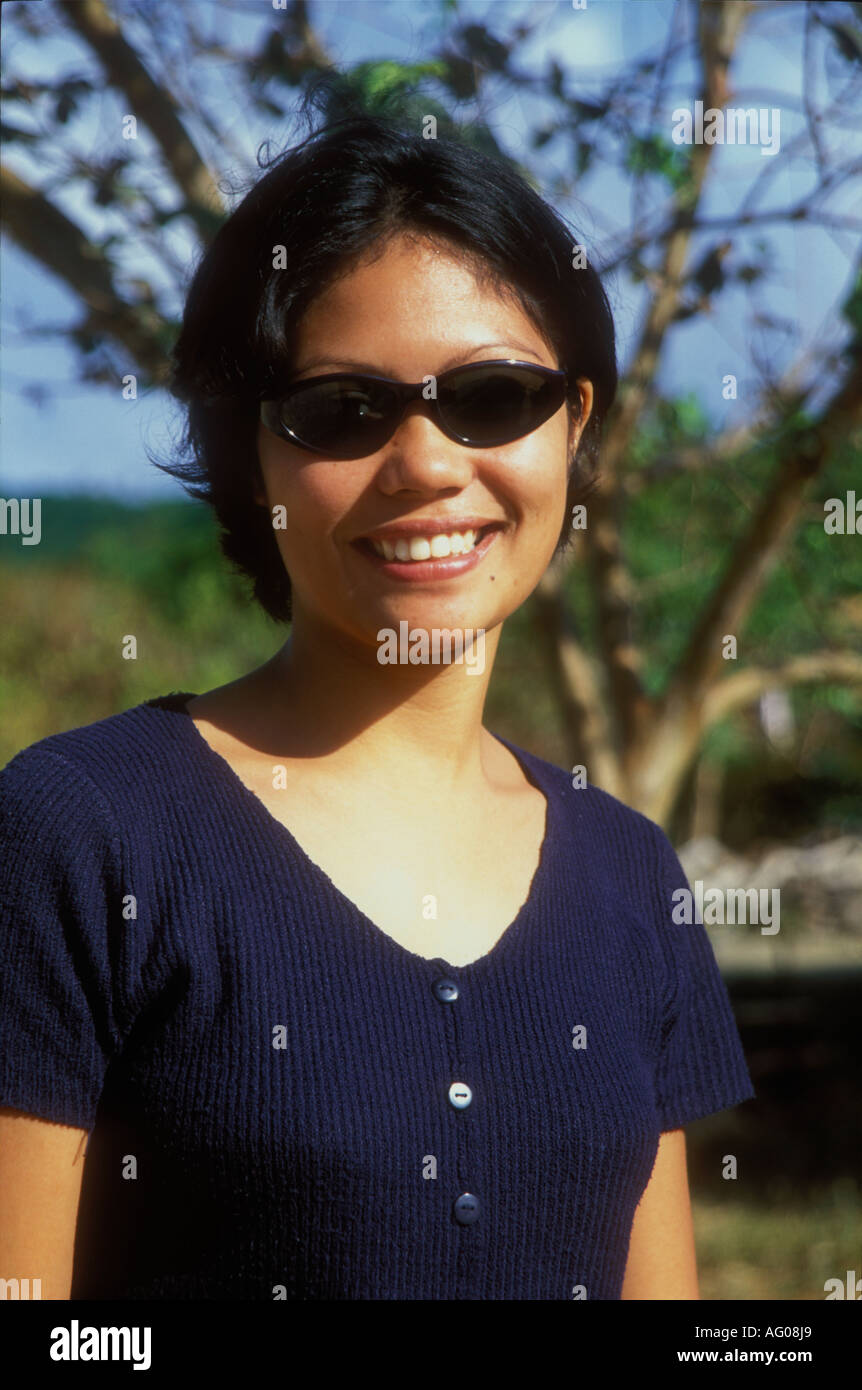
<point>406,392</point>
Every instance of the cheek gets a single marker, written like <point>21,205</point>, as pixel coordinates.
<point>315,498</point>
<point>287,475</point>
<point>539,475</point>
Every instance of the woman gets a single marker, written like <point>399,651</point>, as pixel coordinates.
<point>355,999</point>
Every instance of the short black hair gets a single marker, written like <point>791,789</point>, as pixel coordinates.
<point>351,184</point>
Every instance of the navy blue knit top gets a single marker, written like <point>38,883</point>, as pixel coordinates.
<point>284,1102</point>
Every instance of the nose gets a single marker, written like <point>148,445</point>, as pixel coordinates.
<point>420,456</point>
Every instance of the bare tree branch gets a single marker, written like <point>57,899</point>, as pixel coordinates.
<point>719,25</point>
<point>743,687</point>
<point>311,49</point>
<point>577,683</point>
<point>47,234</point>
<point>655,766</point>
<point>786,395</point>
<point>151,105</point>
<point>757,548</point>
<point>801,211</point>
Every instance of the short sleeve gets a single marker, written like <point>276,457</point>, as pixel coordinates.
<point>58,899</point>
<point>701,1066</point>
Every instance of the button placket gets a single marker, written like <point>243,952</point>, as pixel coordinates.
<point>466,1205</point>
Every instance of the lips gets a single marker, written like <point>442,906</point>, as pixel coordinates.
<point>426,565</point>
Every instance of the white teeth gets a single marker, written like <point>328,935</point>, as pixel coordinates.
<point>427,547</point>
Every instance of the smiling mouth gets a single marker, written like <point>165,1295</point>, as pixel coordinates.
<point>434,546</point>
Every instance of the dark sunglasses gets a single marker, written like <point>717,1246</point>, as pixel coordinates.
<point>348,415</point>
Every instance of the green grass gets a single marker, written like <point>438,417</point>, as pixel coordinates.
<point>783,1250</point>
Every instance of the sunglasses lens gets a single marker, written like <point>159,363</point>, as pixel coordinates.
<point>345,418</point>
<point>497,404</point>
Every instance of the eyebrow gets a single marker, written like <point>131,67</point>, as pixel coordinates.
<point>352,364</point>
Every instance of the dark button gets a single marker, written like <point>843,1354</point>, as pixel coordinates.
<point>466,1209</point>
<point>445,990</point>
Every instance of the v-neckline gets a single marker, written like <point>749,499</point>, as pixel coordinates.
<point>176,702</point>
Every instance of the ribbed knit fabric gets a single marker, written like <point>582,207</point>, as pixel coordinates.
<point>220,1165</point>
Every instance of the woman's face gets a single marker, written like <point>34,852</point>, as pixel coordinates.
<point>413,313</point>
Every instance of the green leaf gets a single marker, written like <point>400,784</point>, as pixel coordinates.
<point>378,82</point>
<point>851,309</point>
<point>654,154</point>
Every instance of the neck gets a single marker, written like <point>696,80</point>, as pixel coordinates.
<point>414,728</point>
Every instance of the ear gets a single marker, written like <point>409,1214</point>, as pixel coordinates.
<point>574,436</point>
<point>577,427</point>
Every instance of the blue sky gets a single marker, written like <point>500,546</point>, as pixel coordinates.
<point>58,434</point>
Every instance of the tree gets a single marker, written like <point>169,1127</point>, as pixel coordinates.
<point>637,744</point>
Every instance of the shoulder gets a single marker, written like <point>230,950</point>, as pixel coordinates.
<point>610,848</point>
<point>589,807</point>
<point>89,771</point>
